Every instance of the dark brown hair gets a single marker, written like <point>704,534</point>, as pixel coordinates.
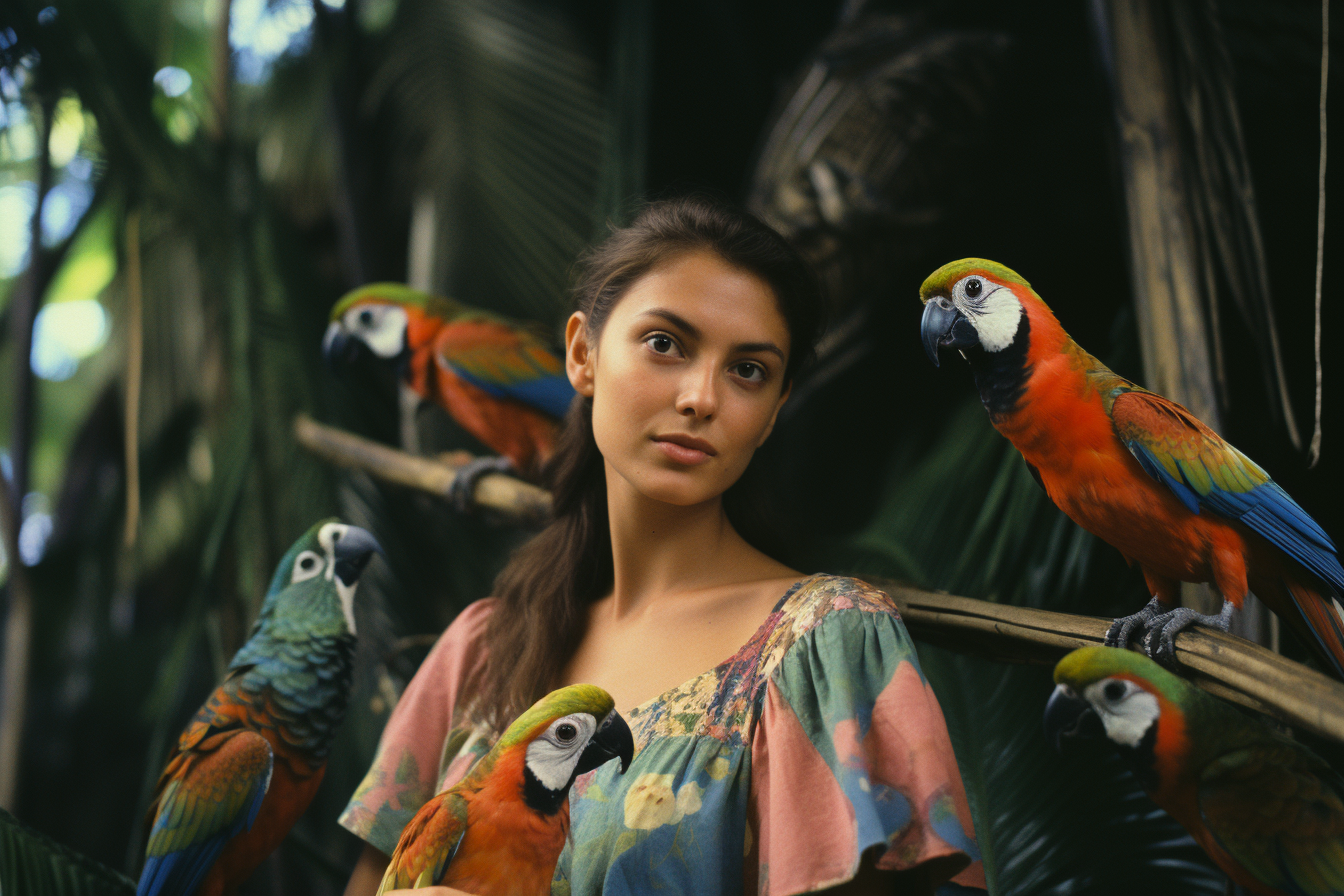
<point>543,594</point>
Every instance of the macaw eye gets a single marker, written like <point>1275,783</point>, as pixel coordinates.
<point>973,288</point>
<point>366,317</point>
<point>1114,690</point>
<point>566,733</point>
<point>306,565</point>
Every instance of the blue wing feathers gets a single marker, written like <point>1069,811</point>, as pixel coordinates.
<point>548,394</point>
<point>1157,471</point>
<point>1265,508</point>
<point>180,872</point>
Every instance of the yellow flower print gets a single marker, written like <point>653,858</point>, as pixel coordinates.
<point>688,800</point>
<point>718,768</point>
<point>650,803</point>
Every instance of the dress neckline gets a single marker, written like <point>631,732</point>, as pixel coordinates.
<point>769,620</point>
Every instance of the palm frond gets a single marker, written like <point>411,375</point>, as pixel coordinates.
<point>857,164</point>
<point>35,865</point>
<point>511,146</point>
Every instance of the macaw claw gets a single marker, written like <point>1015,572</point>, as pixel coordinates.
<point>1163,629</point>
<point>1124,628</point>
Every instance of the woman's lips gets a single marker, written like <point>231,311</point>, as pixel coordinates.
<point>685,449</point>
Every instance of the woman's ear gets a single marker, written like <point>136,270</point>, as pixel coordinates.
<point>580,356</point>
<point>770,427</point>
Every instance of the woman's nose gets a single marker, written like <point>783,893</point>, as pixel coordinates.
<point>699,392</point>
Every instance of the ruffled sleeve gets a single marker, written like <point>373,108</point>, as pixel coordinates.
<point>851,753</point>
<point>405,769</point>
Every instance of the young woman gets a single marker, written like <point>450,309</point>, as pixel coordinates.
<point>786,741</point>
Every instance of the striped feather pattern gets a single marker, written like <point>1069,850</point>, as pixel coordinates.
<point>214,793</point>
<point>506,361</point>
<point>1204,471</point>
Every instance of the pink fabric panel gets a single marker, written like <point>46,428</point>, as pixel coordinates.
<point>800,824</point>
<point>418,725</point>
<point>907,748</point>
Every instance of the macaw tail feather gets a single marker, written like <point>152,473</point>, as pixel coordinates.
<point>1324,615</point>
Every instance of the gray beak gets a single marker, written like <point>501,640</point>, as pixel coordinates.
<point>353,551</point>
<point>943,325</point>
<point>1069,716</point>
<point>338,348</point>
<point>612,740</point>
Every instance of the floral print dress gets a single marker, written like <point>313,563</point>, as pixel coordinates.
<point>771,773</point>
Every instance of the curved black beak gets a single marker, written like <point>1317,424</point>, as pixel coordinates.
<point>353,550</point>
<point>612,740</point>
<point>339,348</point>
<point>942,325</point>
<point>1069,716</point>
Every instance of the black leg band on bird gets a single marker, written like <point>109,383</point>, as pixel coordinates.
<point>463,490</point>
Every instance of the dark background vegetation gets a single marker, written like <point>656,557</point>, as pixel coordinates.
<point>275,182</point>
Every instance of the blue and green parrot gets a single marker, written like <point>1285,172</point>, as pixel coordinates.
<point>250,760</point>
<point>1266,809</point>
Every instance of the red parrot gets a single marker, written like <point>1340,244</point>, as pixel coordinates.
<point>1136,469</point>
<point>496,378</point>
<point>500,830</point>
<point>1267,810</point>
<point>252,757</point>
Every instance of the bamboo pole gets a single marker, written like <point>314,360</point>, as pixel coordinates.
<point>1226,666</point>
<point>520,501</point>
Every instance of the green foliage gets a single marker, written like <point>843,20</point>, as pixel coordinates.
<point>35,865</point>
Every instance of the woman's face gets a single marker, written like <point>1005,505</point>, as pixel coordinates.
<point>686,378</point>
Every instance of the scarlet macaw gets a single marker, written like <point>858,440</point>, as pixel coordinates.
<point>250,760</point>
<point>1136,469</point>
<point>500,830</point>
<point>493,376</point>
<point>1267,810</point>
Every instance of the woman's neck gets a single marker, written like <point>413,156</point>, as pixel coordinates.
<point>660,549</point>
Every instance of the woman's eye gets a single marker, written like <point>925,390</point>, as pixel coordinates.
<point>750,371</point>
<point>660,343</point>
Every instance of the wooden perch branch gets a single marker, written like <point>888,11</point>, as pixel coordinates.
<point>1226,666</point>
<point>520,501</point>
<point>1229,667</point>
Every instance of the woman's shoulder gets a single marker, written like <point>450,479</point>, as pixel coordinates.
<point>819,598</point>
<point>457,656</point>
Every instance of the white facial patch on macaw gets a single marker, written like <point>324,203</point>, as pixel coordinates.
<point>381,327</point>
<point>327,537</point>
<point>1126,710</point>
<point>553,754</point>
<point>991,308</point>
<point>306,565</point>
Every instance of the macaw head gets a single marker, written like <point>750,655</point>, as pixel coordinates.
<point>313,590</point>
<point>1123,696</point>
<point>973,303</point>
<point>386,320</point>
<point>564,734</point>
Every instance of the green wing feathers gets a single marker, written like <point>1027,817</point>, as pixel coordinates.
<point>427,844</point>
<point>1277,809</point>
<point>1190,458</point>
<point>210,790</point>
